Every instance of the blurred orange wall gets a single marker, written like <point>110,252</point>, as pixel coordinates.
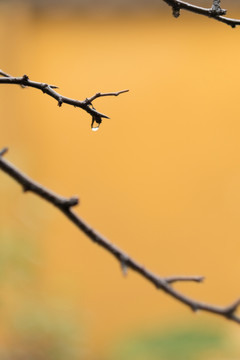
<point>160,178</point>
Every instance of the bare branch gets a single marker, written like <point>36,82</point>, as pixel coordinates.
<point>164,283</point>
<point>215,12</point>
<point>86,105</point>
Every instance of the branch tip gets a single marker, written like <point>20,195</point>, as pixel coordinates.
<point>3,151</point>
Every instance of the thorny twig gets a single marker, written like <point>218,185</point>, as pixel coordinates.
<point>86,104</point>
<point>215,12</point>
<point>163,283</point>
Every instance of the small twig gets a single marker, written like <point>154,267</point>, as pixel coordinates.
<point>24,81</point>
<point>172,279</point>
<point>215,12</point>
<point>163,283</point>
<point>90,100</point>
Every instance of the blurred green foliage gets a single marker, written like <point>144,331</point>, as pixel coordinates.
<point>182,343</point>
<point>18,260</point>
<point>32,328</point>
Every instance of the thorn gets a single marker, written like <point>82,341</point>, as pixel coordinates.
<point>25,78</point>
<point>60,102</point>
<point>73,201</point>
<point>26,188</point>
<point>232,308</point>
<point>67,203</point>
<point>124,268</point>
<point>194,307</point>
<point>123,263</point>
<point>3,151</point>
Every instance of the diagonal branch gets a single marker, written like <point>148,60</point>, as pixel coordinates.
<point>86,104</point>
<point>215,12</point>
<point>163,283</point>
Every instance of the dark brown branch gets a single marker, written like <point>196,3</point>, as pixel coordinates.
<point>49,90</point>
<point>164,283</point>
<point>215,12</point>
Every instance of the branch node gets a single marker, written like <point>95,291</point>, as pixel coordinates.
<point>216,9</point>
<point>218,12</point>
<point>160,283</point>
<point>25,78</point>
<point>44,87</point>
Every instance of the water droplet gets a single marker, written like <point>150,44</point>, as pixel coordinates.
<point>95,128</point>
<point>95,123</point>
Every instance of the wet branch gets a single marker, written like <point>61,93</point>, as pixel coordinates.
<point>215,12</point>
<point>86,104</point>
<point>65,205</point>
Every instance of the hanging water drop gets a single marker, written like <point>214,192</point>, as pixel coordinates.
<point>95,128</point>
<point>95,123</point>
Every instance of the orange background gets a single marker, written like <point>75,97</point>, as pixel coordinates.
<point>160,179</point>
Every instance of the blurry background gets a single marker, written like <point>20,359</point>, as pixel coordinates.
<point>160,179</point>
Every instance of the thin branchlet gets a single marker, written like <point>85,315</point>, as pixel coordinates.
<point>165,284</point>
